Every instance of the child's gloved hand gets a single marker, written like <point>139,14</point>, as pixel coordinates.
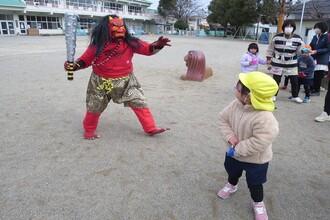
<point>231,152</point>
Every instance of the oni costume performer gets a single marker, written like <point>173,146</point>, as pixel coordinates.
<point>110,54</point>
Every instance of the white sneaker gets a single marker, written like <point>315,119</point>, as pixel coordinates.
<point>297,99</point>
<point>323,117</point>
<point>322,89</point>
<point>274,98</point>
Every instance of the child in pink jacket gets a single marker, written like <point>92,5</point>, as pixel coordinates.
<point>251,59</point>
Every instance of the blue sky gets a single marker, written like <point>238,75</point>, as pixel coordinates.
<point>155,3</point>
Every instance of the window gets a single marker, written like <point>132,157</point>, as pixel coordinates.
<point>113,6</point>
<point>6,17</point>
<point>41,22</point>
<point>134,9</point>
<point>87,23</point>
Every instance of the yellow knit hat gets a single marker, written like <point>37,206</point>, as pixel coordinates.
<point>262,88</point>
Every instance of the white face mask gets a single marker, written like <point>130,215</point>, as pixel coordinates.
<point>288,30</point>
<point>317,31</point>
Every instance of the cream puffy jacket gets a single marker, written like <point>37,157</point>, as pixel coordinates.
<point>255,130</point>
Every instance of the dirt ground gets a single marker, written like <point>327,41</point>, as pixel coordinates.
<point>48,171</point>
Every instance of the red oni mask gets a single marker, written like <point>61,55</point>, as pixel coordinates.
<point>117,28</point>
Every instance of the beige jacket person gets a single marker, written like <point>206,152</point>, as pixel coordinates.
<point>255,130</point>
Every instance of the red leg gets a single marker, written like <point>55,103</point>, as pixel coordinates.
<point>90,124</point>
<point>147,121</point>
<point>157,131</point>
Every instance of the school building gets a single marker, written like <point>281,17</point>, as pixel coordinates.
<point>46,17</point>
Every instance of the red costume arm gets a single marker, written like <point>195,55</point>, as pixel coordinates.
<point>144,49</point>
<point>117,66</point>
<point>88,55</point>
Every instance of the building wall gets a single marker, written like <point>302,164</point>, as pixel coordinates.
<point>48,15</point>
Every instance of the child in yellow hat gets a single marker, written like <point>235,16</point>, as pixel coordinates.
<point>249,127</point>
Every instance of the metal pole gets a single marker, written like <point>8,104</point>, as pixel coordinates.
<point>257,31</point>
<point>302,17</point>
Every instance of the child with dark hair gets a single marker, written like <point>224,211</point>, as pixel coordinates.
<point>320,52</point>
<point>110,54</point>
<point>248,127</point>
<point>251,59</point>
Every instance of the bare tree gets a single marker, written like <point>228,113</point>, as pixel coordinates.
<point>317,9</point>
<point>314,9</point>
<point>179,9</point>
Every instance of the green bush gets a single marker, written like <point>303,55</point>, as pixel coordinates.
<point>181,24</point>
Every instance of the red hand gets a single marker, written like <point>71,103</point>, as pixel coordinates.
<point>68,67</point>
<point>161,42</point>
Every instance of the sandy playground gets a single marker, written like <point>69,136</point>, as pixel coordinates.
<point>48,171</point>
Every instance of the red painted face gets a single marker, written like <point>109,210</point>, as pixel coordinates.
<point>117,28</point>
